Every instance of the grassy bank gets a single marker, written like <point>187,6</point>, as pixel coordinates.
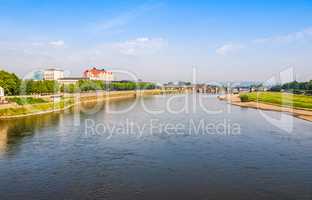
<point>280,99</point>
<point>35,108</point>
<point>31,106</point>
<point>26,100</point>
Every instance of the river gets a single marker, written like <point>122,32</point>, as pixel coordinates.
<point>161,148</point>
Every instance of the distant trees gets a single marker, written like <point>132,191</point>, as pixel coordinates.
<point>276,88</point>
<point>10,83</point>
<point>70,88</point>
<point>51,87</point>
<point>298,87</point>
<point>92,85</point>
<point>295,87</point>
<point>40,87</point>
<point>131,86</point>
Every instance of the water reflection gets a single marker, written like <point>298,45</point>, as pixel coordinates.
<point>3,138</point>
<point>14,131</point>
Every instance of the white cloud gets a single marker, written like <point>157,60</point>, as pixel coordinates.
<point>229,48</point>
<point>288,38</point>
<point>143,45</point>
<point>58,43</point>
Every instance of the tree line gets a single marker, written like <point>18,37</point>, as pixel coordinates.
<point>13,85</point>
<point>94,85</point>
<point>294,87</point>
<point>39,87</point>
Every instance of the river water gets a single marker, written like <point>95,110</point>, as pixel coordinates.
<point>161,148</point>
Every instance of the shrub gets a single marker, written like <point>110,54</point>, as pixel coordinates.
<point>244,98</point>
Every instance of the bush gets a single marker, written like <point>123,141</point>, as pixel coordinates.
<point>244,98</point>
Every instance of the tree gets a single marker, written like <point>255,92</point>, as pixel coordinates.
<point>10,83</point>
<point>297,87</point>
<point>90,85</point>
<point>276,88</point>
<point>309,85</point>
<point>29,86</point>
<point>51,87</point>
<point>70,88</point>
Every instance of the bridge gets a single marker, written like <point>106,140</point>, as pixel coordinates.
<point>195,88</point>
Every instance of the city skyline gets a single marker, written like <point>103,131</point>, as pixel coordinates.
<point>159,40</point>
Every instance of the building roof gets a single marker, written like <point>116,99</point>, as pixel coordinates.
<point>96,71</point>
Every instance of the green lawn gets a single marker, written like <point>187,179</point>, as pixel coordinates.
<point>278,98</point>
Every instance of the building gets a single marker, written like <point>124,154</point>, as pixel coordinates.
<point>38,75</point>
<point>2,96</point>
<point>70,80</point>
<point>98,74</point>
<point>1,92</point>
<point>53,74</point>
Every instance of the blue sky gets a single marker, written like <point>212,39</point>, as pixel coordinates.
<point>159,40</point>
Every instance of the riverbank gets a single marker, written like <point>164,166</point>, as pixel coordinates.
<point>305,114</point>
<point>11,111</point>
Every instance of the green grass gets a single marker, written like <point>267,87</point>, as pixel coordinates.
<point>26,101</point>
<point>35,108</point>
<point>278,98</point>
